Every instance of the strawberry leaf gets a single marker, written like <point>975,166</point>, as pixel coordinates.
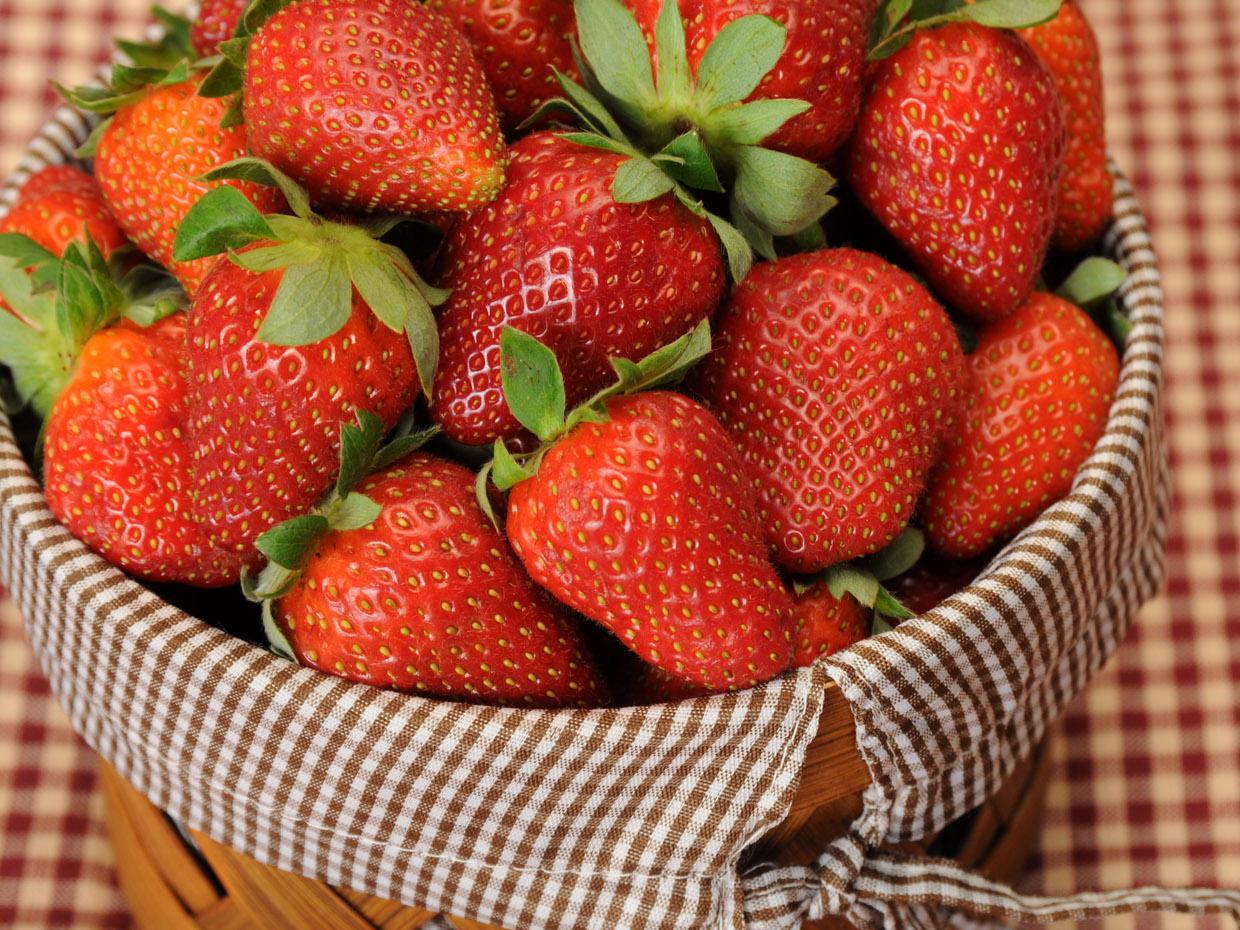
<point>222,219</point>
<point>533,383</point>
<point>401,447</point>
<point>848,579</point>
<point>589,108</point>
<point>275,637</point>
<point>741,55</point>
<point>506,471</point>
<point>353,512</point>
<point>639,180</point>
<point>782,193</point>
<point>358,446</point>
<point>384,289</point>
<point>596,141</point>
<point>735,247</point>
<point>886,605</point>
<point>900,555</point>
<point>1093,281</point>
<point>675,81</point>
<point>39,262</point>
<point>289,543</point>
<point>259,171</point>
<point>275,257</point>
<point>1011,14</point>
<point>613,45</point>
<point>689,162</point>
<point>667,364</point>
<point>87,148</point>
<point>762,241</point>
<point>750,123</point>
<point>312,302</point>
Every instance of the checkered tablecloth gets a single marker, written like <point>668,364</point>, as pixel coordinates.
<point>1146,787</point>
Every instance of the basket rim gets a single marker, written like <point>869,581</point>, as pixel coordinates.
<point>65,127</point>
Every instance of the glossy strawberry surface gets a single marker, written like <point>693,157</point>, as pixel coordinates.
<point>646,524</point>
<point>116,465</point>
<point>265,419</point>
<point>1068,47</point>
<point>429,598</point>
<point>61,205</point>
<point>518,44</point>
<point>823,624</point>
<point>149,162</point>
<point>216,22</point>
<point>1039,388</point>
<point>837,375</point>
<point>373,105</point>
<point>558,258</point>
<point>958,152</point>
<point>822,64</point>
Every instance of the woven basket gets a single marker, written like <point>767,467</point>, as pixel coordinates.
<point>216,731</point>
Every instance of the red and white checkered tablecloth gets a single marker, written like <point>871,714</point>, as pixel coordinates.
<point>1146,787</point>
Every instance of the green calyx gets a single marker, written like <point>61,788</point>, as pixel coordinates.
<point>289,546</point>
<point>1093,287</point>
<point>898,20</point>
<point>693,136</point>
<point>534,390</point>
<point>60,303</point>
<point>863,579</point>
<point>323,262</point>
<point>227,75</point>
<point>169,60</point>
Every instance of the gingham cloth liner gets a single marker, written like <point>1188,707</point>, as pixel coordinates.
<point>619,818</point>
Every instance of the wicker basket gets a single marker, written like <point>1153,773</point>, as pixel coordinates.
<point>158,693</point>
<point>178,879</point>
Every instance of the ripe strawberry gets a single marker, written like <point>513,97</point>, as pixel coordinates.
<point>558,258</point>
<point>933,580</point>
<point>148,162</point>
<point>957,153</point>
<point>55,178</point>
<point>61,205</point>
<point>1040,385</point>
<point>427,597</point>
<point>518,43</point>
<point>116,455</point>
<point>265,419</point>
<point>823,624</point>
<point>1068,47</point>
<point>645,684</point>
<point>646,524</point>
<point>823,61</point>
<point>216,22</point>
<point>837,376</point>
<point>373,105</point>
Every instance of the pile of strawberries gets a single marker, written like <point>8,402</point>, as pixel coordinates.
<point>530,351</point>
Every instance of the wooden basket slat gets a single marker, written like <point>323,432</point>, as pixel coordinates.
<point>388,915</point>
<point>224,914</point>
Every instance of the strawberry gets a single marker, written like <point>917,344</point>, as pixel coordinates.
<point>823,624</point>
<point>822,63</point>
<point>645,684</point>
<point>270,383</point>
<point>518,43</point>
<point>1068,47</point>
<point>933,580</point>
<point>558,258</point>
<point>957,153</point>
<point>405,584</point>
<point>373,105</point>
<point>638,514</point>
<point>61,205</point>
<point>836,375</point>
<point>216,22</point>
<point>1039,387</point>
<point>116,455</point>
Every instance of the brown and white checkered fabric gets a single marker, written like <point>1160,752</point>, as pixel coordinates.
<point>613,818</point>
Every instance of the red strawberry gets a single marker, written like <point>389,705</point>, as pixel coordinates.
<point>823,61</point>
<point>58,178</point>
<point>429,598</point>
<point>646,524</point>
<point>149,160</point>
<point>1040,385</point>
<point>116,455</point>
<point>836,375</point>
<point>558,258</point>
<point>646,684</point>
<point>823,624</point>
<point>375,105</point>
<point>957,153</point>
<point>265,419</point>
<point>216,22</point>
<point>62,205</point>
<point>1068,47</point>
<point>116,466</point>
<point>518,43</point>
